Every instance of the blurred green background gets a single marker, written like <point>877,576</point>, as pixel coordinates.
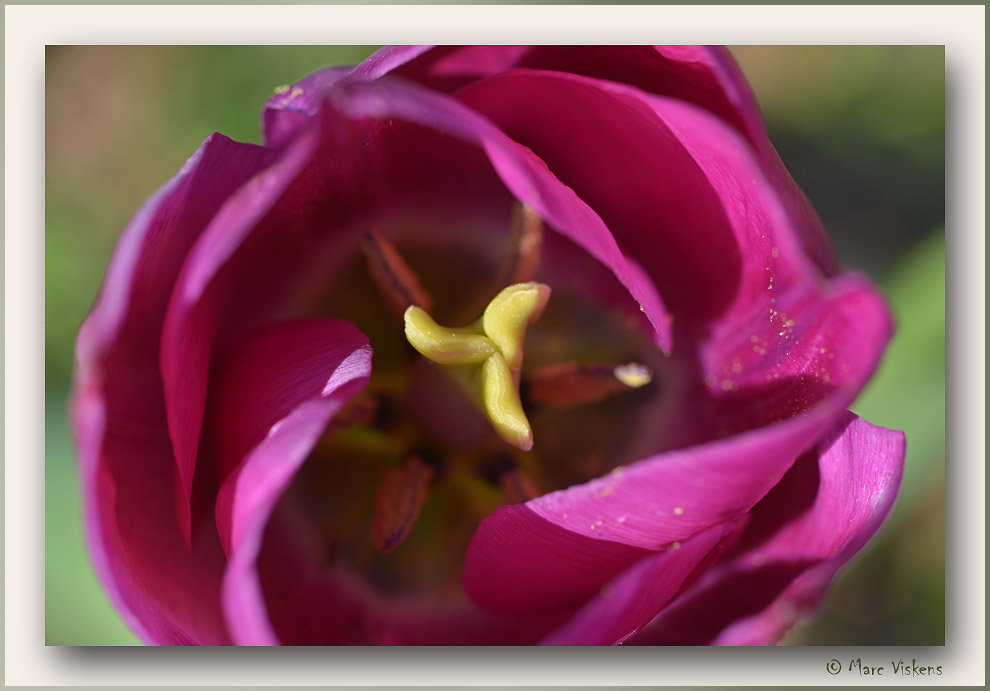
<point>861,128</point>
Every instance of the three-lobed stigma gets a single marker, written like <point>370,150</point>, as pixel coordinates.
<point>495,342</point>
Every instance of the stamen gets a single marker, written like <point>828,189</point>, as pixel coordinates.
<point>522,255</point>
<point>495,342</point>
<point>570,384</point>
<point>398,284</point>
<point>398,503</point>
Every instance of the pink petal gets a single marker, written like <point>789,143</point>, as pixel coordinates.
<point>293,408</point>
<point>820,515</point>
<point>524,174</point>
<point>165,592</point>
<point>629,602</point>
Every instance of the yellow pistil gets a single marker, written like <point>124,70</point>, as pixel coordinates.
<point>496,343</point>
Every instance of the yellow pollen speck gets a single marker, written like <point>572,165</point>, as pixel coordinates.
<point>673,546</point>
<point>678,511</point>
<point>281,89</point>
<point>633,375</point>
<point>294,93</point>
<point>592,526</point>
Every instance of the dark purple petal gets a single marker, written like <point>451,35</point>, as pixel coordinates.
<point>164,591</point>
<point>328,362</point>
<point>821,514</point>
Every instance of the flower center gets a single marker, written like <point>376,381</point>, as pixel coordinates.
<point>445,432</point>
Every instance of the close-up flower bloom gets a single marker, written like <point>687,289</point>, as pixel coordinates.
<point>483,345</point>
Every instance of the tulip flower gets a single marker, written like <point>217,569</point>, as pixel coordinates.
<point>483,345</point>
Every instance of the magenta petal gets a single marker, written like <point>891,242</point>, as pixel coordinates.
<point>629,602</point>
<point>593,531</point>
<point>526,176</point>
<point>321,365</point>
<point>809,345</point>
<point>672,496</point>
<point>680,189</point>
<point>191,322</point>
<point>705,76</point>
<point>162,589</point>
<point>735,103</point>
<point>821,514</point>
<point>275,372</point>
